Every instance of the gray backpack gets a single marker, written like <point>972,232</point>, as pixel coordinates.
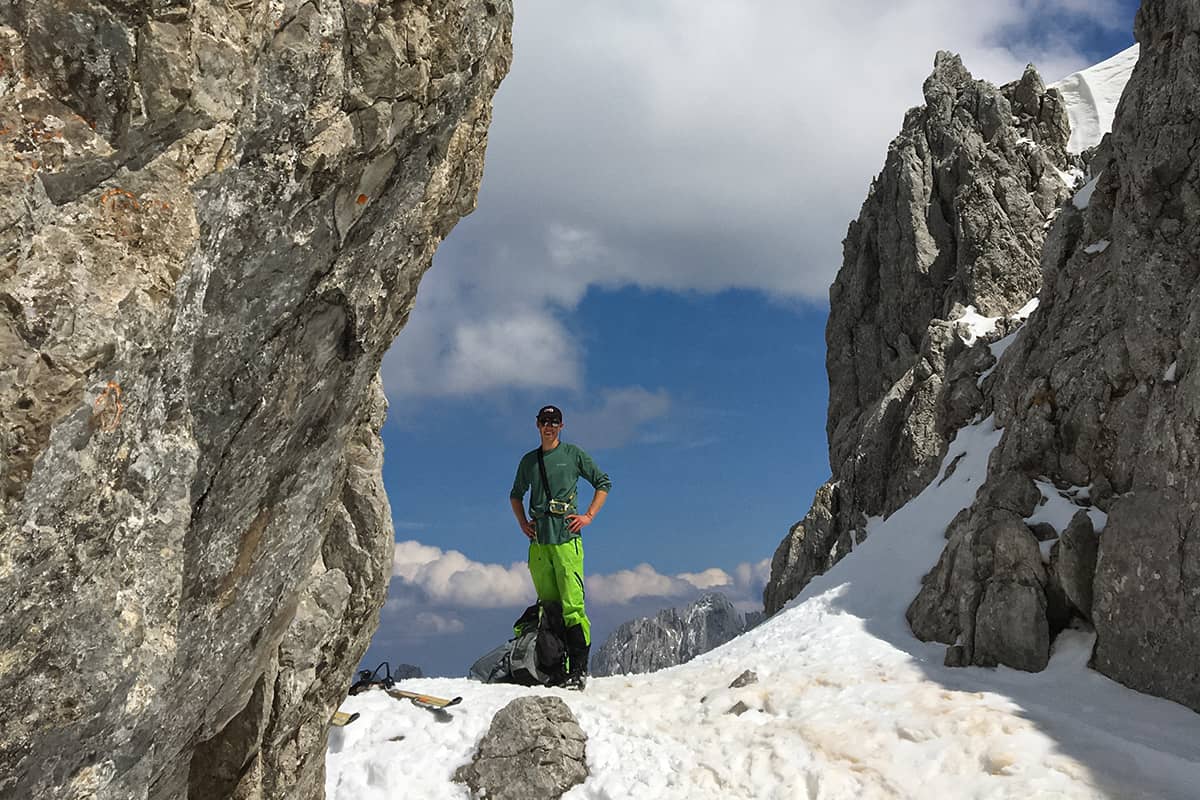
<point>533,657</point>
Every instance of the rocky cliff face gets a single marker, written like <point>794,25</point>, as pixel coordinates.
<point>1099,399</point>
<point>1096,393</point>
<point>214,219</point>
<point>671,637</point>
<point>954,223</point>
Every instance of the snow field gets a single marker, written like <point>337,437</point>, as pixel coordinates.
<point>848,704</point>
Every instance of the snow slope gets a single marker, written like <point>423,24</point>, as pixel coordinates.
<point>1092,95</point>
<point>848,704</point>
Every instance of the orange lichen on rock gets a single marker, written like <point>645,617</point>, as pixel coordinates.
<point>362,199</point>
<point>119,197</point>
<point>108,407</point>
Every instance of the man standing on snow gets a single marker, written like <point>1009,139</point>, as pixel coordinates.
<point>550,473</point>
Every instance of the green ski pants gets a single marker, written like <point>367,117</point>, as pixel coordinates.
<point>557,572</point>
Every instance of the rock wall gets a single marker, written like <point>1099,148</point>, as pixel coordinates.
<point>1097,393</point>
<point>1099,398</point>
<point>671,637</point>
<point>214,218</point>
<point>955,220</point>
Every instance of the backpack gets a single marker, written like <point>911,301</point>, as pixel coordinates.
<point>534,656</point>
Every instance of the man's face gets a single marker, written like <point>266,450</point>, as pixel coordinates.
<point>549,431</point>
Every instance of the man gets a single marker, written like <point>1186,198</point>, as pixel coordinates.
<point>554,532</point>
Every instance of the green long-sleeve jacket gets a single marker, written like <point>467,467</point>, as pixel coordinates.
<point>565,465</point>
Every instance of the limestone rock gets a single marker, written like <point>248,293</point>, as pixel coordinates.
<point>745,679</point>
<point>955,219</point>
<point>214,219</point>
<point>956,656</point>
<point>534,750</point>
<point>987,595</point>
<point>1147,595</point>
<point>1011,626</point>
<point>810,548</point>
<point>1100,391</point>
<point>671,637</point>
<point>1073,563</point>
<point>738,708</point>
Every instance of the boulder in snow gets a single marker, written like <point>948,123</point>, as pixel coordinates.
<point>745,679</point>
<point>534,750</point>
<point>1073,562</point>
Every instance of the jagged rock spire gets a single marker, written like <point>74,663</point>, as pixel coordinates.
<point>956,218</point>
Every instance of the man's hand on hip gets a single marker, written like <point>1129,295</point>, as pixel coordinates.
<point>529,529</point>
<point>576,522</point>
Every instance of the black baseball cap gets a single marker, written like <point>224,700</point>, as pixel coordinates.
<point>549,414</point>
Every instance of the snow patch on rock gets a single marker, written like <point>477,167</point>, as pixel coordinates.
<point>1092,95</point>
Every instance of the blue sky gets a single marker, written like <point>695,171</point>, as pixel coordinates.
<point>661,214</point>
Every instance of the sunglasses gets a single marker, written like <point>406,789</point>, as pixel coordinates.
<point>545,423</point>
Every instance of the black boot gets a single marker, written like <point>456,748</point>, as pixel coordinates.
<point>577,657</point>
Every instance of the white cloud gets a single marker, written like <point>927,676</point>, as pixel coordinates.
<point>438,624</point>
<point>420,624</point>
<point>618,418</point>
<point>676,145</point>
<point>531,350</point>
<point>711,578</point>
<point>753,574</point>
<point>631,584</point>
<point>664,127</point>
<point>570,246</point>
<point>744,584</point>
<point>448,579</point>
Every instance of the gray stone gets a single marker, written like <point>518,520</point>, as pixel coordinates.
<point>1011,627</point>
<point>942,610</point>
<point>1012,491</point>
<point>1147,595</point>
<point>956,656</point>
<point>533,750</point>
<point>1043,531</point>
<point>745,679</point>
<point>738,708</point>
<point>983,594</point>
<point>962,401</point>
<point>201,267</point>
<point>671,637</point>
<point>1073,562</point>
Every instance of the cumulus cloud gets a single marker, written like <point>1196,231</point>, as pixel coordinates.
<point>450,578</point>
<point>421,624</point>
<point>711,578</point>
<point>619,417</point>
<point>687,146</point>
<point>529,350</point>
<point>753,574</point>
<point>438,624</point>
<point>425,575</point>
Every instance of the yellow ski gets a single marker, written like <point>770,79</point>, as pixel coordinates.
<point>423,700</point>
<point>341,719</point>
